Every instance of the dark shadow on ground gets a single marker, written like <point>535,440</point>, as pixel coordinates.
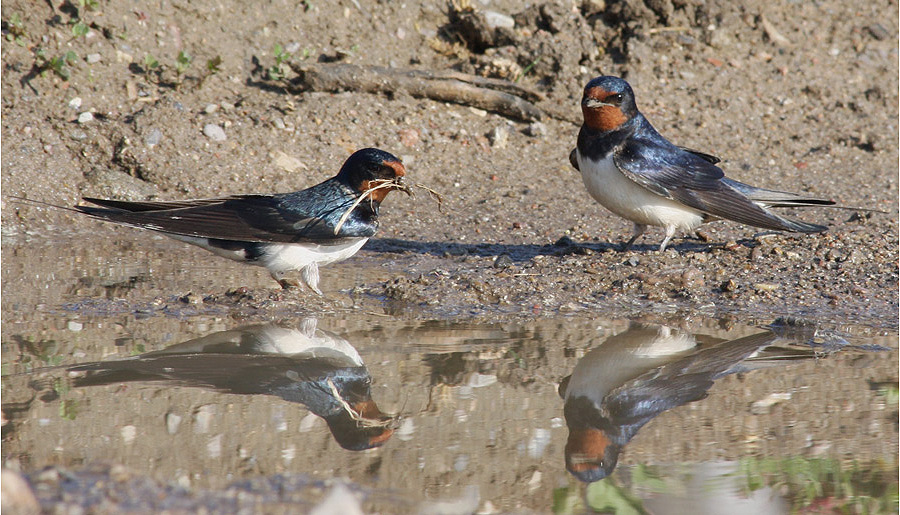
<point>520,253</point>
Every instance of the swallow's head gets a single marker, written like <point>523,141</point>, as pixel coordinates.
<point>608,103</point>
<point>590,454</point>
<point>366,428</point>
<point>376,170</point>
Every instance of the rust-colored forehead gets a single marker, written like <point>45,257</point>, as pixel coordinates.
<point>597,93</point>
<point>399,169</point>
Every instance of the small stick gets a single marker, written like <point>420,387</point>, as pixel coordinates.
<point>383,183</point>
<point>435,195</point>
<point>364,422</point>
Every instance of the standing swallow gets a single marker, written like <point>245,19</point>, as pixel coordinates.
<point>281,232</point>
<point>633,377</point>
<point>305,365</point>
<point>639,175</point>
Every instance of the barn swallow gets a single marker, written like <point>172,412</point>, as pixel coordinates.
<point>634,376</point>
<point>318,369</point>
<point>281,232</point>
<point>630,169</point>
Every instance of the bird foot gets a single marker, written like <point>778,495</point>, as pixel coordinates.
<point>287,284</point>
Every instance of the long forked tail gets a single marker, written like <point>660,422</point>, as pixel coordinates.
<point>775,198</point>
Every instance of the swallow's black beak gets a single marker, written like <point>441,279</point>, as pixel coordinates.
<point>400,184</point>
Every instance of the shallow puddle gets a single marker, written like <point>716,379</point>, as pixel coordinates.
<point>212,410</point>
<point>492,415</point>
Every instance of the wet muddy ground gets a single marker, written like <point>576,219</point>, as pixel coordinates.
<point>801,97</point>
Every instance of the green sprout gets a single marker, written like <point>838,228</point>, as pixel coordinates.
<point>15,30</point>
<point>80,29</point>
<point>213,66</point>
<point>150,62</point>
<point>183,62</point>
<point>58,65</point>
<point>277,71</point>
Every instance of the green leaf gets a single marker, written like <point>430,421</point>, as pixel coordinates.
<point>150,62</point>
<point>212,65</point>
<point>183,62</point>
<point>80,29</point>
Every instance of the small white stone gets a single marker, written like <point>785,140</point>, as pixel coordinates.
<point>154,136</point>
<point>211,108</point>
<point>93,58</point>
<point>496,20</point>
<point>498,136</point>
<point>85,117</point>
<point>172,423</point>
<point>74,326</point>
<point>536,129</point>
<point>128,434</point>
<point>75,103</point>
<point>214,132</point>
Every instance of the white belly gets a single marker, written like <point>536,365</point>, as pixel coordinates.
<point>286,257</point>
<point>632,201</point>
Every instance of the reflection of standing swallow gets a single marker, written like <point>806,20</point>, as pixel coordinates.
<point>633,377</point>
<point>283,232</point>
<point>312,367</point>
<point>639,175</point>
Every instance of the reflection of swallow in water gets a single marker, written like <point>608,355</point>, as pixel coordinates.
<point>633,377</point>
<point>312,367</point>
<point>639,175</point>
<point>283,232</point>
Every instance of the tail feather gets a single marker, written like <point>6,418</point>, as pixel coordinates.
<point>801,226</point>
<point>775,198</point>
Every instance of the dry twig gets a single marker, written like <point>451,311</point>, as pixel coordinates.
<point>499,96</point>
<point>386,183</point>
<point>360,420</point>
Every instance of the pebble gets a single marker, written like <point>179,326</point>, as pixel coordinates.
<point>503,261</point>
<point>172,423</point>
<point>498,136</point>
<point>764,406</point>
<point>214,132</point>
<point>153,137</point>
<point>878,31</point>
<point>211,108</point>
<point>692,278</point>
<point>93,58</point>
<point>191,298</point>
<point>85,117</point>
<point>497,20</point>
<point>288,162</point>
<point>632,261</point>
<point>75,103</point>
<point>18,497</point>
<point>536,129</point>
<point>409,137</point>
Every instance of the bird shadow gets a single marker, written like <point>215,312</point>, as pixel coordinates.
<point>520,252</point>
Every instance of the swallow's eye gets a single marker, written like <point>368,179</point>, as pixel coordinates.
<point>615,99</point>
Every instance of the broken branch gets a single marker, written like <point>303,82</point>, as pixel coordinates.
<point>448,86</point>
